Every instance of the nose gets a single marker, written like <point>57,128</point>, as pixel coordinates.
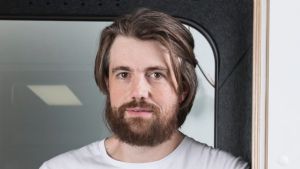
<point>140,89</point>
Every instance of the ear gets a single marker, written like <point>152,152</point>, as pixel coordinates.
<point>106,83</point>
<point>182,96</point>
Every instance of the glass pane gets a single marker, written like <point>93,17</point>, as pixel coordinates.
<point>58,56</point>
<point>200,122</point>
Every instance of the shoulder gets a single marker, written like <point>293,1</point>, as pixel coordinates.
<point>74,158</point>
<point>211,157</point>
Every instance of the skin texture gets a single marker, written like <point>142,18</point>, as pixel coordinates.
<point>141,70</point>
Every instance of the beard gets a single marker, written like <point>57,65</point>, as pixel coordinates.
<point>140,131</point>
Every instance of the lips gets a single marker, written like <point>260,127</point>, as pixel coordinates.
<point>139,109</point>
<point>139,112</point>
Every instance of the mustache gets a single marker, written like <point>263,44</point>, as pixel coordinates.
<point>139,103</point>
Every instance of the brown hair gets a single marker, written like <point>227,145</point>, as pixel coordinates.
<point>146,24</point>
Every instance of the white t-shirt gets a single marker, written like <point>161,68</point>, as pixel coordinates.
<point>190,154</point>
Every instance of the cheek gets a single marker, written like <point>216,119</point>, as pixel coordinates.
<point>116,95</point>
<point>165,96</point>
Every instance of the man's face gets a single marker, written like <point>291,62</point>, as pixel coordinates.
<point>143,100</point>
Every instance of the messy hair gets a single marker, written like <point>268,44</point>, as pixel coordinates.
<point>146,24</point>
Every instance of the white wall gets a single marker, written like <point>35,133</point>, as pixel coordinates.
<point>284,83</point>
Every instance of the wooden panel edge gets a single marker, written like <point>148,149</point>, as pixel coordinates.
<point>260,84</point>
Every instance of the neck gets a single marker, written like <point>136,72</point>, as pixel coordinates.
<point>141,154</point>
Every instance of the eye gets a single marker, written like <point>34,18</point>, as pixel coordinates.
<point>156,75</point>
<point>122,75</point>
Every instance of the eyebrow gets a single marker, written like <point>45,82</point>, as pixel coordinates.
<point>151,68</point>
<point>118,68</point>
<point>161,68</point>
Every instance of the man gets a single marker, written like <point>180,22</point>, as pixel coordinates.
<point>145,66</point>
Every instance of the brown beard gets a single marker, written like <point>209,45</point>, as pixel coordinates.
<point>139,131</point>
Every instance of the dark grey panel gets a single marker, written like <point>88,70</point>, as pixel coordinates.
<point>234,117</point>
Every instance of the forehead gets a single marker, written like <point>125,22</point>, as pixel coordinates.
<point>133,52</point>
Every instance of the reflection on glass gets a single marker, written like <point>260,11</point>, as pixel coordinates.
<point>60,55</point>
